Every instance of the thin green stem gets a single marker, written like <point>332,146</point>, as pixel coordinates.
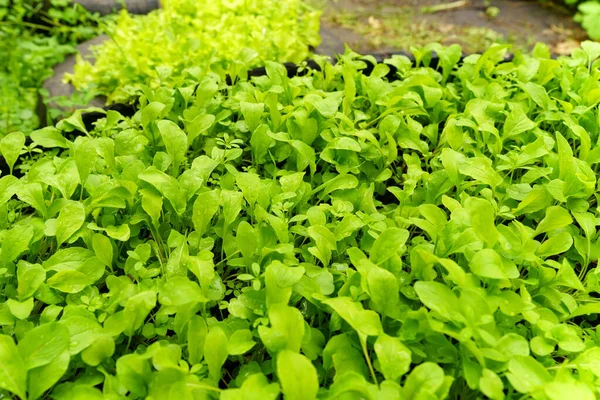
<point>363,344</point>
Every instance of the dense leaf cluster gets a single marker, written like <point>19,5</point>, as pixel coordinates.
<point>335,235</point>
<point>227,36</point>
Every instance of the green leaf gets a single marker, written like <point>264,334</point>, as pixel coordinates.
<point>556,218</point>
<point>297,376</point>
<point>555,245</point>
<point>347,226</point>
<point>103,249</point>
<point>393,356</point>
<point>43,344</point>
<point>569,390</point>
<point>102,348</point>
<point>13,373</point>
<point>67,259</point>
<point>526,374</point>
<point>586,309</point>
<point>179,290</point>
<point>365,322</point>
<point>480,169</point>
<point>205,207</point>
<point>542,346</point>
<point>20,309</point>
<point>286,329</point>
<point>261,142</point>
<point>240,342</point>
<point>85,156</point>
<point>590,48</point>
<point>384,291</point>
<point>537,199</point>
<point>249,184</point>
<point>279,279</point>
<point>232,206</point>
<point>43,378</point>
<point>306,156</point>
<point>69,281</point>
<point>587,222</point>
<point>152,203</point>
<point>439,298</point>
<point>424,381</point>
<point>517,123</point>
<point>49,137</point>
<point>168,186</point>
<point>489,264</point>
<point>199,125</point>
<point>387,244</point>
<point>121,232</point>
<point>589,360</point>
<point>312,343</point>
<point>9,185</point>
<point>151,112</point>
<point>449,57</point>
<point>176,142</point>
<point>196,336</point>
<point>105,147</point>
<point>74,122</point>
<point>33,195</point>
<point>70,219</point>
<point>83,331</point>
<point>11,146</point>
<point>325,243</point>
<point>134,373</point>
<point>215,351</point>
<point>491,385</point>
<point>246,239</point>
<point>340,182</point>
<point>538,94</point>
<point>30,278</point>
<point>255,387</point>
<point>482,219</point>
<point>136,310</point>
<point>513,344</point>
<point>16,241</point>
<point>252,113</point>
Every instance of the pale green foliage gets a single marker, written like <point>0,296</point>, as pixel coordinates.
<point>186,37</point>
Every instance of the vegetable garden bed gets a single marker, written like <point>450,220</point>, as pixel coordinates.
<point>336,234</point>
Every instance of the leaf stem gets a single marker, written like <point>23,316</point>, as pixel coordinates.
<point>363,344</point>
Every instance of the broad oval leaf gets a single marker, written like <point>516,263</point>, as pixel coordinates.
<point>13,371</point>
<point>297,376</point>
<point>43,344</point>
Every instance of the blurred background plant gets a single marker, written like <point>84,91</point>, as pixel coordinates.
<point>196,37</point>
<point>589,18</point>
<point>34,36</point>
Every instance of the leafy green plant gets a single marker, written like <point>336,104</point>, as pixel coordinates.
<point>587,13</point>
<point>335,235</point>
<point>589,18</point>
<point>34,36</point>
<point>194,36</point>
